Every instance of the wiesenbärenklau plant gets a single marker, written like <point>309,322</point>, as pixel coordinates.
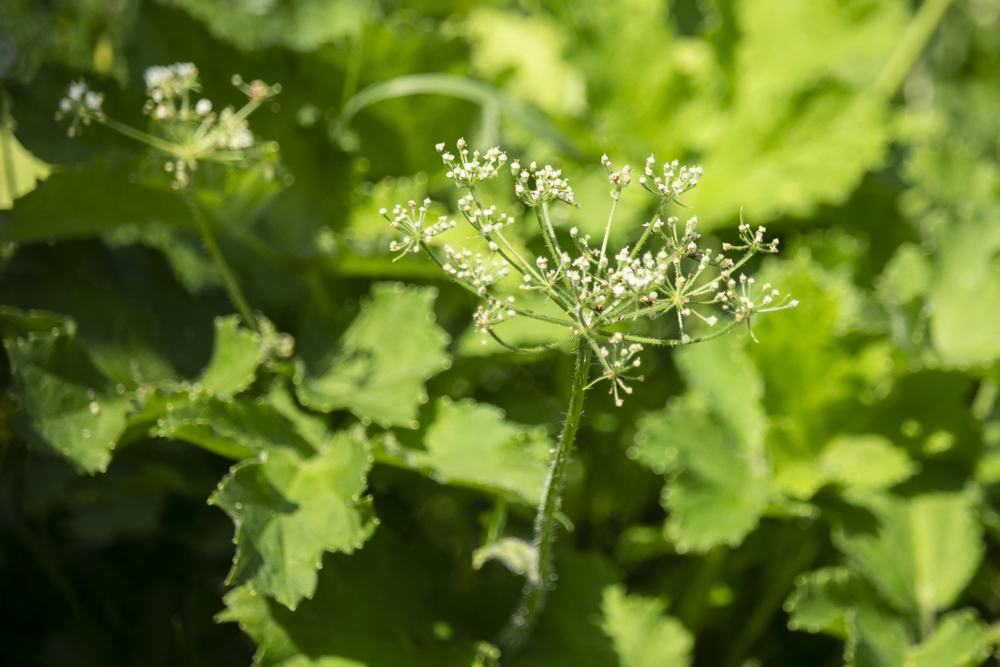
<point>188,133</point>
<point>600,292</point>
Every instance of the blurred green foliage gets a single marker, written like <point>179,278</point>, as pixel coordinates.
<point>826,496</point>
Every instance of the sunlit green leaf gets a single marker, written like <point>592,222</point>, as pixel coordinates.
<point>20,171</point>
<point>719,492</point>
<point>924,551</point>
<point>235,359</point>
<point>288,510</point>
<point>642,634</point>
<point>383,359</point>
<point>470,443</point>
<point>865,462</point>
<point>236,428</point>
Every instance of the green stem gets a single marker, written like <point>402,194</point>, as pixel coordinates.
<point>607,232</point>
<point>228,279</point>
<point>910,46</point>
<point>148,139</point>
<point>535,592</point>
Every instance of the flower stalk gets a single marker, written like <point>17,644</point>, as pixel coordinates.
<point>536,590</point>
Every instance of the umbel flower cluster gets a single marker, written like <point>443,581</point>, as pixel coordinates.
<point>184,125</point>
<point>666,273</point>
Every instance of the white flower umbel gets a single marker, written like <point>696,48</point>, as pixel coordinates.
<point>187,133</point>
<point>600,292</point>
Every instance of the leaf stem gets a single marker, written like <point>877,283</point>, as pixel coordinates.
<point>533,597</point>
<point>228,279</point>
<point>910,46</point>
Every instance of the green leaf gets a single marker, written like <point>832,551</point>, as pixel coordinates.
<point>721,370</point>
<point>839,602</point>
<point>300,25</point>
<point>719,492</point>
<point>642,635</point>
<point>20,171</point>
<point>237,428</point>
<point>908,273</point>
<point>471,443</point>
<point>75,204</point>
<point>803,111</point>
<point>289,510</point>
<point>965,293</point>
<point>959,639</point>
<point>865,462</point>
<point>824,600</point>
<point>527,49</point>
<point>17,323</point>
<point>235,359</point>
<point>925,551</point>
<point>377,607</point>
<point>66,406</point>
<point>382,360</point>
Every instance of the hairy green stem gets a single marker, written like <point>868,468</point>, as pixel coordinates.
<point>535,592</point>
<point>910,46</point>
<point>228,279</point>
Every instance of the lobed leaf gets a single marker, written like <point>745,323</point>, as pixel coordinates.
<point>289,509</point>
<point>925,551</point>
<point>643,636</point>
<point>472,443</point>
<point>383,359</point>
<point>236,428</point>
<point>235,359</point>
<point>66,406</point>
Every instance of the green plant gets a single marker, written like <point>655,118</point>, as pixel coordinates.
<point>599,292</point>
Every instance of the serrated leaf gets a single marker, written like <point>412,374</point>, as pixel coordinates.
<point>719,493</point>
<point>377,607</point>
<point>959,639</point>
<point>825,600</point>
<point>237,428</point>
<point>865,462</point>
<point>383,359</point>
<point>66,406</point>
<point>288,510</point>
<point>839,602</point>
<point>643,636</point>
<point>472,443</point>
<point>803,111</point>
<point>234,360</point>
<point>925,551</point>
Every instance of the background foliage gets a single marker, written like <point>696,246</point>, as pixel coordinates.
<point>825,496</point>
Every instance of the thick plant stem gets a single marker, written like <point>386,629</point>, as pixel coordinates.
<point>228,279</point>
<point>535,591</point>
